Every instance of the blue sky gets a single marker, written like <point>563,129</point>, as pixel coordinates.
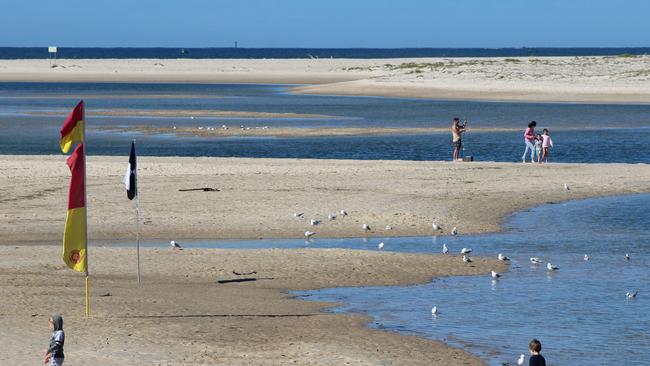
<point>330,23</point>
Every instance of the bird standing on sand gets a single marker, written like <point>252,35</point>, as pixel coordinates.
<point>467,259</point>
<point>175,245</point>
<point>502,257</point>
<point>566,187</point>
<point>445,250</point>
<point>454,231</point>
<point>309,234</point>
<point>366,227</point>
<point>551,267</point>
<point>298,214</point>
<point>465,250</point>
<point>314,222</point>
<point>495,275</point>
<point>522,360</point>
<point>343,213</point>
<point>388,227</point>
<point>631,295</point>
<point>380,246</point>
<point>331,217</point>
<point>435,226</point>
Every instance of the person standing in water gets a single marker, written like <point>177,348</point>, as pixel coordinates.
<point>456,136</point>
<point>529,139</point>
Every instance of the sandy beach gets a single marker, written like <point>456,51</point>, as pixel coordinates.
<point>609,79</point>
<point>182,315</point>
<point>257,198</point>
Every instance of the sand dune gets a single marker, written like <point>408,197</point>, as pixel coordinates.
<point>618,79</point>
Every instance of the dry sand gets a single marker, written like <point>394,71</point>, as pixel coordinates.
<point>622,79</point>
<point>181,316</point>
<point>258,197</point>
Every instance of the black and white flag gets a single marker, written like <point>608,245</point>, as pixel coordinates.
<point>131,176</point>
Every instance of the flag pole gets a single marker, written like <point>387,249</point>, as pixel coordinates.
<point>83,118</point>
<point>137,216</point>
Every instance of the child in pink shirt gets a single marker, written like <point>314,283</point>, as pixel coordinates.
<point>547,143</point>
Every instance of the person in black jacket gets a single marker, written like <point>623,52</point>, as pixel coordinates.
<point>536,359</point>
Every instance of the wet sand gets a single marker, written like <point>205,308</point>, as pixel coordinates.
<point>181,315</point>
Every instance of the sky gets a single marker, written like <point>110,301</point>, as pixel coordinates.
<point>325,23</point>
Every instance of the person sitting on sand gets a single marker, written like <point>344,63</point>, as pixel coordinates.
<point>538,148</point>
<point>54,353</point>
<point>456,130</point>
<point>536,359</point>
<point>529,137</point>
<point>547,143</point>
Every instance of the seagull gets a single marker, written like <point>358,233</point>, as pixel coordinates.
<point>343,213</point>
<point>467,259</point>
<point>191,117</point>
<point>298,214</point>
<point>331,217</point>
<point>175,245</point>
<point>495,275</point>
<point>314,222</point>
<point>434,310</point>
<point>435,226</point>
<point>502,257</point>
<point>174,127</point>
<point>627,257</point>
<point>631,295</point>
<point>388,227</point>
<point>380,246</point>
<point>465,250</point>
<point>366,227</point>
<point>309,234</point>
<point>551,267</point>
<point>454,231</point>
<point>522,360</point>
<point>445,250</point>
<point>566,187</point>
<point>535,260</point>
<point>586,257</point>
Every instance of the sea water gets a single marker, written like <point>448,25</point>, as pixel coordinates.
<point>581,132</point>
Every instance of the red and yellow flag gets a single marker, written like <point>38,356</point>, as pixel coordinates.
<point>73,128</point>
<point>74,234</point>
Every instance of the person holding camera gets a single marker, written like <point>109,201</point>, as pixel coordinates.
<point>456,136</point>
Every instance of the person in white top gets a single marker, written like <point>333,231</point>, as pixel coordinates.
<point>547,143</point>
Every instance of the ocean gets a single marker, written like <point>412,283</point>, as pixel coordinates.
<point>15,53</point>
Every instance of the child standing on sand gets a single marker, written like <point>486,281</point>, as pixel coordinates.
<point>547,143</point>
<point>536,359</point>
<point>538,148</point>
<point>54,353</point>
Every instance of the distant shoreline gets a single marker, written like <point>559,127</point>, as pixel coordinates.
<point>595,79</point>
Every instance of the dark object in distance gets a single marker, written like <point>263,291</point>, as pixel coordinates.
<point>468,158</point>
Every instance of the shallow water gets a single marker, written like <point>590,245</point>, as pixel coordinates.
<point>607,133</point>
<point>580,312</point>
